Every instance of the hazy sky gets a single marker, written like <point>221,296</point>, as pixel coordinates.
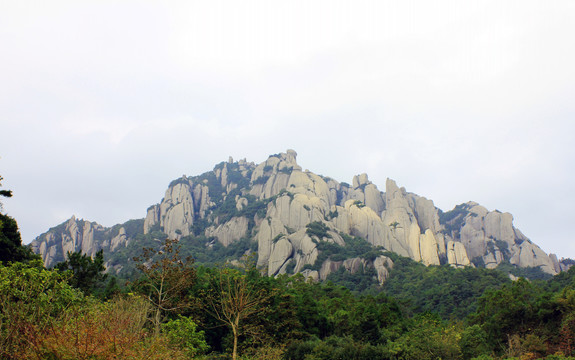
<point>103,103</point>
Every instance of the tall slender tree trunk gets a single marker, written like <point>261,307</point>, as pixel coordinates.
<point>157,320</point>
<point>158,317</point>
<point>235,331</point>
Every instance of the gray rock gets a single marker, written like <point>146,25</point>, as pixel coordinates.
<point>233,230</point>
<point>396,220</point>
<point>282,250</point>
<point>382,265</point>
<point>457,255</point>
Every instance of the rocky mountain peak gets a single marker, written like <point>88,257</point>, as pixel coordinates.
<point>290,217</point>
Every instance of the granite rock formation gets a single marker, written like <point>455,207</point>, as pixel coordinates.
<point>277,204</point>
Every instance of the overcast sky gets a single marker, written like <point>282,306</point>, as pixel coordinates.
<point>103,103</point>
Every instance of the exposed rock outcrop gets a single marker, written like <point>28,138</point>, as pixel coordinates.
<point>231,231</point>
<point>72,236</point>
<point>491,238</point>
<point>273,204</point>
<point>456,254</point>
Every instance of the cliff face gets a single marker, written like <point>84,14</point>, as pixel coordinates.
<point>77,235</point>
<point>275,203</point>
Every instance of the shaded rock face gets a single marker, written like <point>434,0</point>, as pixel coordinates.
<point>490,238</point>
<point>382,265</point>
<point>76,235</point>
<point>229,232</point>
<point>273,204</point>
<point>176,213</point>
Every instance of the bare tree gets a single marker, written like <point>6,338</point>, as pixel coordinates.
<point>232,299</point>
<point>165,279</point>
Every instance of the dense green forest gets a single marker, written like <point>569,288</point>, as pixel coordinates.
<point>177,307</point>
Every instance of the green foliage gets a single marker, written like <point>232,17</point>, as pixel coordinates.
<point>339,195</point>
<point>478,262</point>
<point>562,280</point>
<point>214,185</point>
<point>532,273</point>
<point>228,209</point>
<point>132,227</point>
<point>419,313</point>
<point>31,297</point>
<point>354,247</point>
<point>473,342</point>
<point>261,180</point>
<point>449,292</point>
<point>199,226</point>
<point>87,273</point>
<point>516,308</point>
<point>362,282</point>
<point>11,248</point>
<point>40,313</point>
<point>277,237</point>
<point>427,338</point>
<point>335,347</point>
<point>183,332</point>
<point>209,251</point>
<point>343,325</point>
<point>290,267</point>
<point>183,180</point>
<point>317,229</point>
<point>286,170</point>
<point>504,248</point>
<point>332,215</point>
<point>125,255</point>
<point>453,220</point>
<point>4,193</point>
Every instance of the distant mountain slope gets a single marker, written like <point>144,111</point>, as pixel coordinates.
<point>290,217</point>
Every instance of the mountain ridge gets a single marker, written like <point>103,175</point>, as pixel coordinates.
<point>290,216</point>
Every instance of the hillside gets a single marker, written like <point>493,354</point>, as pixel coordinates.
<point>301,222</point>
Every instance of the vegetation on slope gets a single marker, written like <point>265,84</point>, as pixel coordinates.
<point>180,309</point>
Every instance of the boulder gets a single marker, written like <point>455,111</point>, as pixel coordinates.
<point>282,250</point>
<point>233,230</point>
<point>120,240</point>
<point>382,265</point>
<point>328,267</point>
<point>457,255</point>
<point>354,265</point>
<point>269,229</point>
<point>428,247</point>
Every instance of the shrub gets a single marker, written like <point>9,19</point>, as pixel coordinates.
<point>183,333</point>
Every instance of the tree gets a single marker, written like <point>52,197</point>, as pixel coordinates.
<point>183,333</point>
<point>165,280</point>
<point>31,298</point>
<point>512,311</point>
<point>428,338</point>
<point>4,193</point>
<point>87,273</point>
<point>112,330</point>
<point>473,342</point>
<point>232,299</point>
<point>11,248</point>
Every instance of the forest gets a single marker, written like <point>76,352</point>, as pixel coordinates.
<point>172,306</point>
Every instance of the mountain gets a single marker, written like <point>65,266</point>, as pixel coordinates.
<point>298,221</point>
